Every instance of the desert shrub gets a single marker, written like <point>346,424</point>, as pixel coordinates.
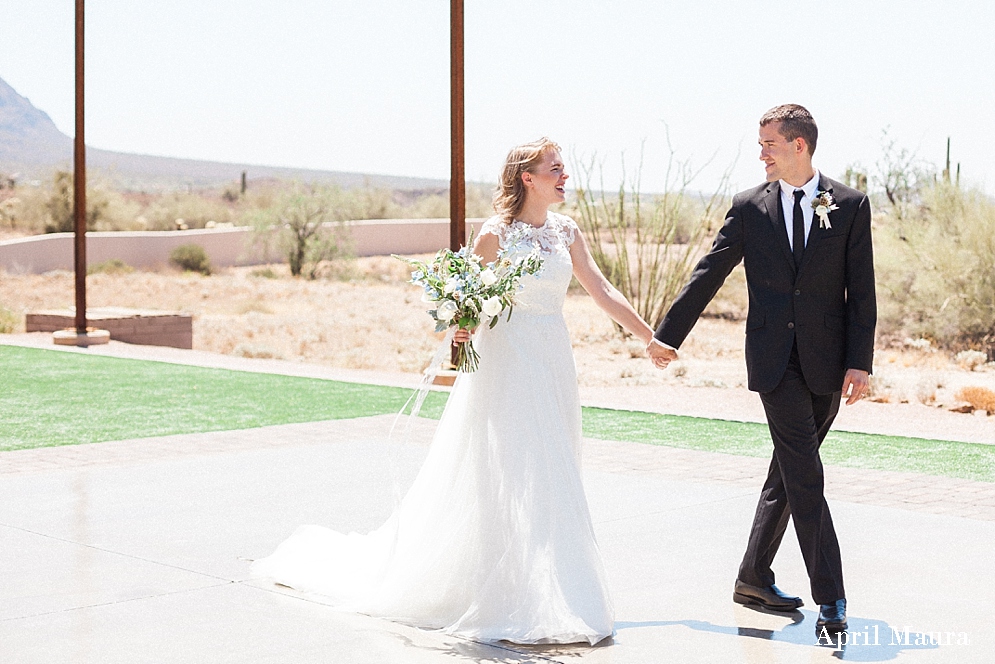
<point>306,223</point>
<point>193,208</point>
<point>936,268</point>
<point>112,266</point>
<point>429,204</point>
<point>10,211</point>
<point>900,175</point>
<point>48,207</point>
<point>191,257</point>
<point>981,398</point>
<point>647,247</point>
<point>970,359</point>
<point>256,351</point>
<point>9,321</point>
<point>365,203</point>
<point>371,202</point>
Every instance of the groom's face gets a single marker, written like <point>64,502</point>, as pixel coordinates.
<point>783,159</point>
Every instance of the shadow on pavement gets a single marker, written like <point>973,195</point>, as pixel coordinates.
<point>867,640</point>
<point>505,652</point>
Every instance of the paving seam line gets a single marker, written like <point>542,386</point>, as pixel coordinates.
<point>116,602</point>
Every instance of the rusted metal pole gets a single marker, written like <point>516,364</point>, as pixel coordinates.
<point>457,182</point>
<point>457,179</point>
<point>79,182</point>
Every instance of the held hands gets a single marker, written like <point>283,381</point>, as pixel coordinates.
<point>856,384</point>
<point>660,353</point>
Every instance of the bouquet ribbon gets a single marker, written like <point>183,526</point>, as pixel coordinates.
<point>416,400</point>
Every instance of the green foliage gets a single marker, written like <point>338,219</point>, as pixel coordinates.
<point>192,209</point>
<point>307,220</point>
<point>936,266</point>
<point>855,177</point>
<point>191,257</point>
<point>901,176</point>
<point>9,321</point>
<point>60,205</point>
<point>48,208</point>
<point>106,210</point>
<point>112,266</point>
<point>10,207</point>
<point>647,247</point>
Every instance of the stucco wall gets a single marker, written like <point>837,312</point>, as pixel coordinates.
<point>224,246</point>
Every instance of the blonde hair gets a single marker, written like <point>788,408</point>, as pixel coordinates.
<point>509,197</point>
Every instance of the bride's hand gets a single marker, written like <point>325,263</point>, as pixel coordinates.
<point>462,336</point>
<point>661,354</point>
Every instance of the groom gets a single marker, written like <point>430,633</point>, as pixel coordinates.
<point>805,241</point>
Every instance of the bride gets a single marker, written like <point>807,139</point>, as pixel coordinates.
<point>494,540</point>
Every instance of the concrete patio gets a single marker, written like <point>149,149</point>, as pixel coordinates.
<point>137,551</point>
<point>114,557</point>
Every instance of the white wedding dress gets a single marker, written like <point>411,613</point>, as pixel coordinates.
<point>494,540</point>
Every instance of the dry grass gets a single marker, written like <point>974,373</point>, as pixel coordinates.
<point>981,398</point>
<point>368,317</point>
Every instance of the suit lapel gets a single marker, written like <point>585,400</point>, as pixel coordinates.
<point>772,201</point>
<point>815,233</point>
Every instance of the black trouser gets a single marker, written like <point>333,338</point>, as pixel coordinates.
<point>799,422</point>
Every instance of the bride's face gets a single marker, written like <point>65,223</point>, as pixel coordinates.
<point>548,183</point>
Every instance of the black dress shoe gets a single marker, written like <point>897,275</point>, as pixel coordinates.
<point>832,617</point>
<point>769,598</point>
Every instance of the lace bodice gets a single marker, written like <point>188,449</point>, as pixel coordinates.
<point>542,294</point>
<point>557,233</point>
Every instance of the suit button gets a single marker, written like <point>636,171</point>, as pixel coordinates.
<point>791,326</point>
<point>798,292</point>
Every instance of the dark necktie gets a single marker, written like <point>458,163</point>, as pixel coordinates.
<point>798,234</point>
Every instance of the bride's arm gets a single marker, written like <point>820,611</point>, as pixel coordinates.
<point>486,246</point>
<point>605,295</point>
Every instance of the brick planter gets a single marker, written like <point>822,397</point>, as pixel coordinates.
<point>133,326</point>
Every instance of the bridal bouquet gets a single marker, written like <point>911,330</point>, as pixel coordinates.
<point>466,293</point>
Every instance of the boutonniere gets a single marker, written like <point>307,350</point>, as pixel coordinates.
<point>823,203</point>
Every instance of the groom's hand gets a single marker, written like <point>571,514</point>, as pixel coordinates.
<point>660,353</point>
<point>856,383</point>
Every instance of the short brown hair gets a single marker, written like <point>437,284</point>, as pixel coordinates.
<point>509,197</point>
<point>795,121</point>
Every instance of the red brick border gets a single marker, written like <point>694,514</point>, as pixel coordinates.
<point>148,328</point>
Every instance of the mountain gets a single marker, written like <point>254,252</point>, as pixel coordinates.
<point>28,137</point>
<point>31,144</point>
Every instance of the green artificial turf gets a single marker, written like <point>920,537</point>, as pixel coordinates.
<point>52,398</point>
<point>55,398</point>
<point>975,461</point>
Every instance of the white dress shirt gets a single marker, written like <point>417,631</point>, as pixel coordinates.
<point>788,205</point>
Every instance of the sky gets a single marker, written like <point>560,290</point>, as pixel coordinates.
<point>364,86</point>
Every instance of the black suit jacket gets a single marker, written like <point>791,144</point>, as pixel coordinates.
<point>827,306</point>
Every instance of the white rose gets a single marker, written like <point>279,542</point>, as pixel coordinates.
<point>822,210</point>
<point>492,306</point>
<point>451,285</point>
<point>488,278</point>
<point>446,311</point>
